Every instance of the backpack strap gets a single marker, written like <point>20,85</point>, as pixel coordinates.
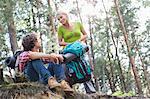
<point>17,61</point>
<point>80,67</point>
<point>84,64</point>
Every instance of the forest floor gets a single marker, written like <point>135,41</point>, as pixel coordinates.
<point>40,91</point>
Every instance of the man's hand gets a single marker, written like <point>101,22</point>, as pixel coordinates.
<point>56,58</point>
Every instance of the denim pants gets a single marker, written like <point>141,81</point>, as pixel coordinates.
<point>36,71</point>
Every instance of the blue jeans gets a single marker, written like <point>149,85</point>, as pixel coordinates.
<point>36,71</point>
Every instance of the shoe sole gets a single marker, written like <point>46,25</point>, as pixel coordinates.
<point>56,86</point>
<point>70,91</point>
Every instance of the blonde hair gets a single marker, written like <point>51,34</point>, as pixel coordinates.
<point>62,13</point>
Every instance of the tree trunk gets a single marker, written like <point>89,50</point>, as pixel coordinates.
<point>56,9</point>
<point>33,17</point>
<point>52,33</point>
<point>131,58</point>
<point>111,74</point>
<point>12,34</point>
<point>121,76</point>
<point>1,28</point>
<point>92,61</point>
<point>8,13</point>
<point>50,17</point>
<point>1,75</point>
<point>79,11</point>
<point>144,70</point>
<point>39,22</point>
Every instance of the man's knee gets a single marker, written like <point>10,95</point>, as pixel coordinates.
<point>37,61</point>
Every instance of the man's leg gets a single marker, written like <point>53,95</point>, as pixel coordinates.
<point>36,69</point>
<point>30,73</point>
<point>57,70</point>
<point>39,67</point>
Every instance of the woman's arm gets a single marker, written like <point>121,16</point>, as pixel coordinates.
<point>84,35</point>
<point>62,42</point>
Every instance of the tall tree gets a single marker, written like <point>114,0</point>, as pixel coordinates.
<point>52,29</point>
<point>78,10</point>
<point>131,58</point>
<point>91,57</point>
<point>111,77</point>
<point>122,80</point>
<point>9,6</point>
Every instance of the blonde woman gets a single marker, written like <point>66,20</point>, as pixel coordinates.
<point>69,32</point>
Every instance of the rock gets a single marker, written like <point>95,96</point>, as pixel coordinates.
<point>40,91</point>
<point>27,91</point>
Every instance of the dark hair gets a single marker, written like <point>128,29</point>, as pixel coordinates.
<point>28,41</point>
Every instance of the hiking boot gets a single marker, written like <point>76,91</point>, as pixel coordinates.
<point>53,83</point>
<point>65,86</point>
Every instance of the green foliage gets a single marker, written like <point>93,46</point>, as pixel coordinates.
<point>146,3</point>
<point>122,94</point>
<point>24,11</point>
<point>100,63</point>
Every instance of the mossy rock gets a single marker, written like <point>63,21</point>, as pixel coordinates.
<point>30,90</point>
<point>26,91</point>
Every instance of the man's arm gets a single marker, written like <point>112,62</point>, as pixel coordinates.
<point>52,57</point>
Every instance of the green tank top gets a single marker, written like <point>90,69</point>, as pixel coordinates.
<point>70,36</point>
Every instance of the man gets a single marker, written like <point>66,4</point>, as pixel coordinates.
<point>31,62</point>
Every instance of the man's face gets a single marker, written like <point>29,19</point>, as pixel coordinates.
<point>38,43</point>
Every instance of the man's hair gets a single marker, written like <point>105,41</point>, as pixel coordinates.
<point>28,41</point>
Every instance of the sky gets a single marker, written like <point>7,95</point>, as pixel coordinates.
<point>143,15</point>
<point>88,10</point>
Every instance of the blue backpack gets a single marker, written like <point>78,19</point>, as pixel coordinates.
<point>78,70</point>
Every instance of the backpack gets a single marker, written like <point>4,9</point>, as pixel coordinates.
<point>77,70</point>
<point>12,61</point>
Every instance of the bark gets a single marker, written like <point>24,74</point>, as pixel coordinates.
<point>52,33</point>
<point>39,21</point>
<point>33,15</point>
<point>111,77</point>
<point>131,58</point>
<point>111,74</point>
<point>12,34</point>
<point>144,70</point>
<point>56,9</point>
<point>79,11</point>
<point>1,76</point>
<point>50,17</point>
<point>1,29</point>
<point>8,13</point>
<point>121,76</point>
<point>92,61</point>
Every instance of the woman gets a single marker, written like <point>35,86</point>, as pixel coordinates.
<point>31,62</point>
<point>69,32</point>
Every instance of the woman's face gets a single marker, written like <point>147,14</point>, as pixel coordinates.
<point>62,18</point>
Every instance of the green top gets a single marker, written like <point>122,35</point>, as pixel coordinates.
<point>70,36</point>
